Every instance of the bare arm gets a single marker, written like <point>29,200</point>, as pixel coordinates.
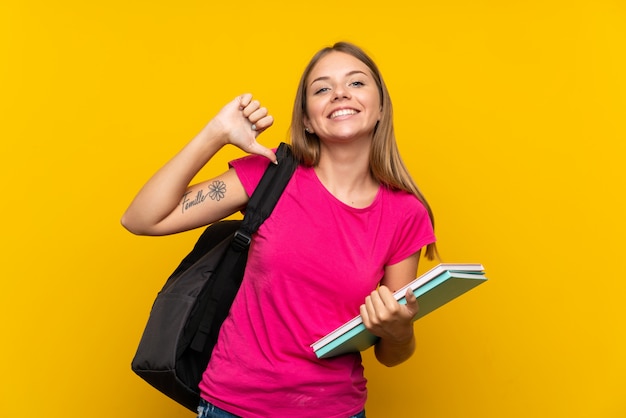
<point>386,318</point>
<point>167,204</point>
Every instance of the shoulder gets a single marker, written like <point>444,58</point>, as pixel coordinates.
<point>250,169</point>
<point>250,162</point>
<point>403,203</point>
<point>412,226</point>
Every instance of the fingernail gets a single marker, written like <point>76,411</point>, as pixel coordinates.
<point>253,127</point>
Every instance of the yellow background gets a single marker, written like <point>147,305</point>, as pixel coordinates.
<point>510,115</point>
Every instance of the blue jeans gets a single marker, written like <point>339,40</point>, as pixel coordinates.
<point>208,410</point>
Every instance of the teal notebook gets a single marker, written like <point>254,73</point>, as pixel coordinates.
<point>433,289</point>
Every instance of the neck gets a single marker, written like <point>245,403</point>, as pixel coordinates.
<point>344,169</point>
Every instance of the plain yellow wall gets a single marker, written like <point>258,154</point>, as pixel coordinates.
<point>510,114</point>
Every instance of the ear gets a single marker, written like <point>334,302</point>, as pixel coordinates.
<point>307,126</point>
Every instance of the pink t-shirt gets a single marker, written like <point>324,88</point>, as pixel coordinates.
<point>310,267</point>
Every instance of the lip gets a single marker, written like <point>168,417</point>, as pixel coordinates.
<point>342,111</point>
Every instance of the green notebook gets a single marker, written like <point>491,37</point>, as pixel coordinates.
<point>433,289</point>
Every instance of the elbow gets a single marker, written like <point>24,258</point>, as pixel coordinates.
<point>129,226</point>
<point>133,226</point>
<point>142,224</point>
<point>390,362</point>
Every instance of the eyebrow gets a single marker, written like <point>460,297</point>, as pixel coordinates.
<point>347,75</point>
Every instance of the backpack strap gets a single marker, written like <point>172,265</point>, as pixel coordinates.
<point>259,208</point>
<point>265,196</point>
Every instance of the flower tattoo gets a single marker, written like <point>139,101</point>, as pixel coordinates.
<point>217,190</point>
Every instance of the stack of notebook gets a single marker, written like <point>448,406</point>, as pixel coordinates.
<point>433,289</point>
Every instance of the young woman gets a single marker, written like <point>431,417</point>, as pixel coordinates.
<point>347,232</point>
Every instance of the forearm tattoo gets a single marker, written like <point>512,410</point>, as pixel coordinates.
<point>217,191</point>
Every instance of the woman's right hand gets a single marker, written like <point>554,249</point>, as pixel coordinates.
<point>241,121</point>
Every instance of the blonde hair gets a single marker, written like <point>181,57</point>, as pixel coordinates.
<point>386,164</point>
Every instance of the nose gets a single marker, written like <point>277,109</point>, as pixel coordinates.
<point>341,92</point>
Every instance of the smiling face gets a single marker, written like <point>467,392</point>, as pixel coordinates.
<point>342,99</point>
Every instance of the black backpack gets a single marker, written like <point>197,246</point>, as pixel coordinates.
<point>188,312</point>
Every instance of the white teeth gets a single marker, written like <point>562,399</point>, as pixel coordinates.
<point>343,112</point>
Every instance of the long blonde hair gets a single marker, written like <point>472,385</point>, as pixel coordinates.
<point>386,164</point>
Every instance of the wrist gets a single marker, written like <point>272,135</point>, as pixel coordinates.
<point>391,352</point>
<point>214,133</point>
<point>400,340</point>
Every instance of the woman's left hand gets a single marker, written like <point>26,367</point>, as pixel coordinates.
<point>384,317</point>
